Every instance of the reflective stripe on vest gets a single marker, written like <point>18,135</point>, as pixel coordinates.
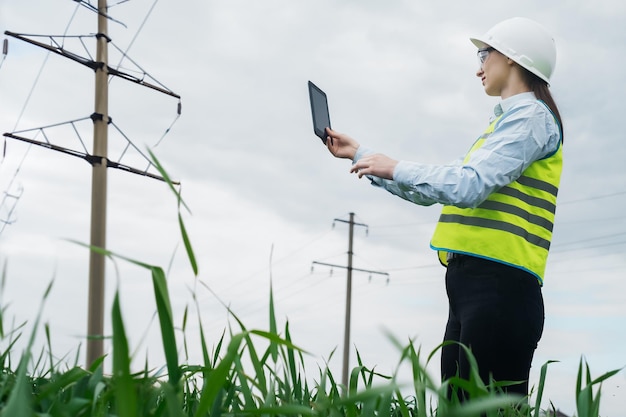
<point>513,225</point>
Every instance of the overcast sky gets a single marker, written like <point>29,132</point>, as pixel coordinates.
<point>400,77</point>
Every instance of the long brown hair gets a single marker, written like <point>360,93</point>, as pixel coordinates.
<point>542,92</point>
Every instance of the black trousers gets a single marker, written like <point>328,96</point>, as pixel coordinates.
<point>497,311</point>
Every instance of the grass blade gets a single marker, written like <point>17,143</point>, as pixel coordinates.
<point>542,380</point>
<point>166,321</point>
<point>188,248</point>
<point>273,329</point>
<point>183,229</point>
<point>20,399</point>
<point>19,403</point>
<point>126,396</point>
<point>166,177</point>
<point>216,379</point>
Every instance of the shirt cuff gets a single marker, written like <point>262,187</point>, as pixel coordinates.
<point>360,153</point>
<point>405,172</point>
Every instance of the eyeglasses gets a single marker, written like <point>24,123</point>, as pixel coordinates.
<point>483,54</point>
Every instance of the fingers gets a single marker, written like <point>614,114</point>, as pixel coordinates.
<point>335,142</point>
<point>360,168</point>
<point>377,165</point>
<point>336,135</point>
<point>340,144</point>
<point>330,135</point>
<point>330,144</point>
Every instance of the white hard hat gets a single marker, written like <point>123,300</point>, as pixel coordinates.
<point>525,42</point>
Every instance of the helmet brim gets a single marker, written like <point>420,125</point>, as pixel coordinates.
<point>479,43</point>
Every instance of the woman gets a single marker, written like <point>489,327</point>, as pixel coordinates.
<point>499,202</point>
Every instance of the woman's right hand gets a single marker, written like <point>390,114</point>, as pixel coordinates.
<point>340,144</point>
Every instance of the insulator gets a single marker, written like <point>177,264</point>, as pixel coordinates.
<point>5,46</point>
<point>180,108</point>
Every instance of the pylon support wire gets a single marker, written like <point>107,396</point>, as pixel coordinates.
<point>89,6</point>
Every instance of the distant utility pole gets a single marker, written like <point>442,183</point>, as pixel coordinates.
<point>346,334</point>
<point>99,161</point>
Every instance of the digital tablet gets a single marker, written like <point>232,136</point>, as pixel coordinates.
<point>319,111</point>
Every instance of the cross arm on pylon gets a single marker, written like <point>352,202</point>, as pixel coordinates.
<point>92,159</point>
<point>60,50</point>
<point>354,269</point>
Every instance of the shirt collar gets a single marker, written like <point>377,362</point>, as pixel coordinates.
<point>506,104</point>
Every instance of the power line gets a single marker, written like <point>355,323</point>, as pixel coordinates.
<point>280,294</point>
<point>238,283</point>
<point>8,191</point>
<point>125,55</point>
<point>591,239</point>
<point>593,198</point>
<point>130,44</point>
<point>87,4</point>
<point>591,220</point>
<point>599,245</point>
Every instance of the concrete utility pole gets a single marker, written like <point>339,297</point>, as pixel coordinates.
<point>346,334</point>
<point>95,319</point>
<point>98,160</point>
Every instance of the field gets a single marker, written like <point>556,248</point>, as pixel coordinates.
<point>245,372</point>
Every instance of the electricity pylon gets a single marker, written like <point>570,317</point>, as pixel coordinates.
<point>99,161</point>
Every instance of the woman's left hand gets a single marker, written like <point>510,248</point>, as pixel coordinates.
<point>378,165</point>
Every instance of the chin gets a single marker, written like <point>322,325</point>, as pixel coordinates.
<point>491,92</point>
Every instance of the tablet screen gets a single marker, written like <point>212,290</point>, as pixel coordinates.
<point>319,111</point>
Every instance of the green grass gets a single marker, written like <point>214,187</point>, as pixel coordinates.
<point>237,377</point>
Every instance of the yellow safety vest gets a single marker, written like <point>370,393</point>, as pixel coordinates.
<point>513,225</point>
